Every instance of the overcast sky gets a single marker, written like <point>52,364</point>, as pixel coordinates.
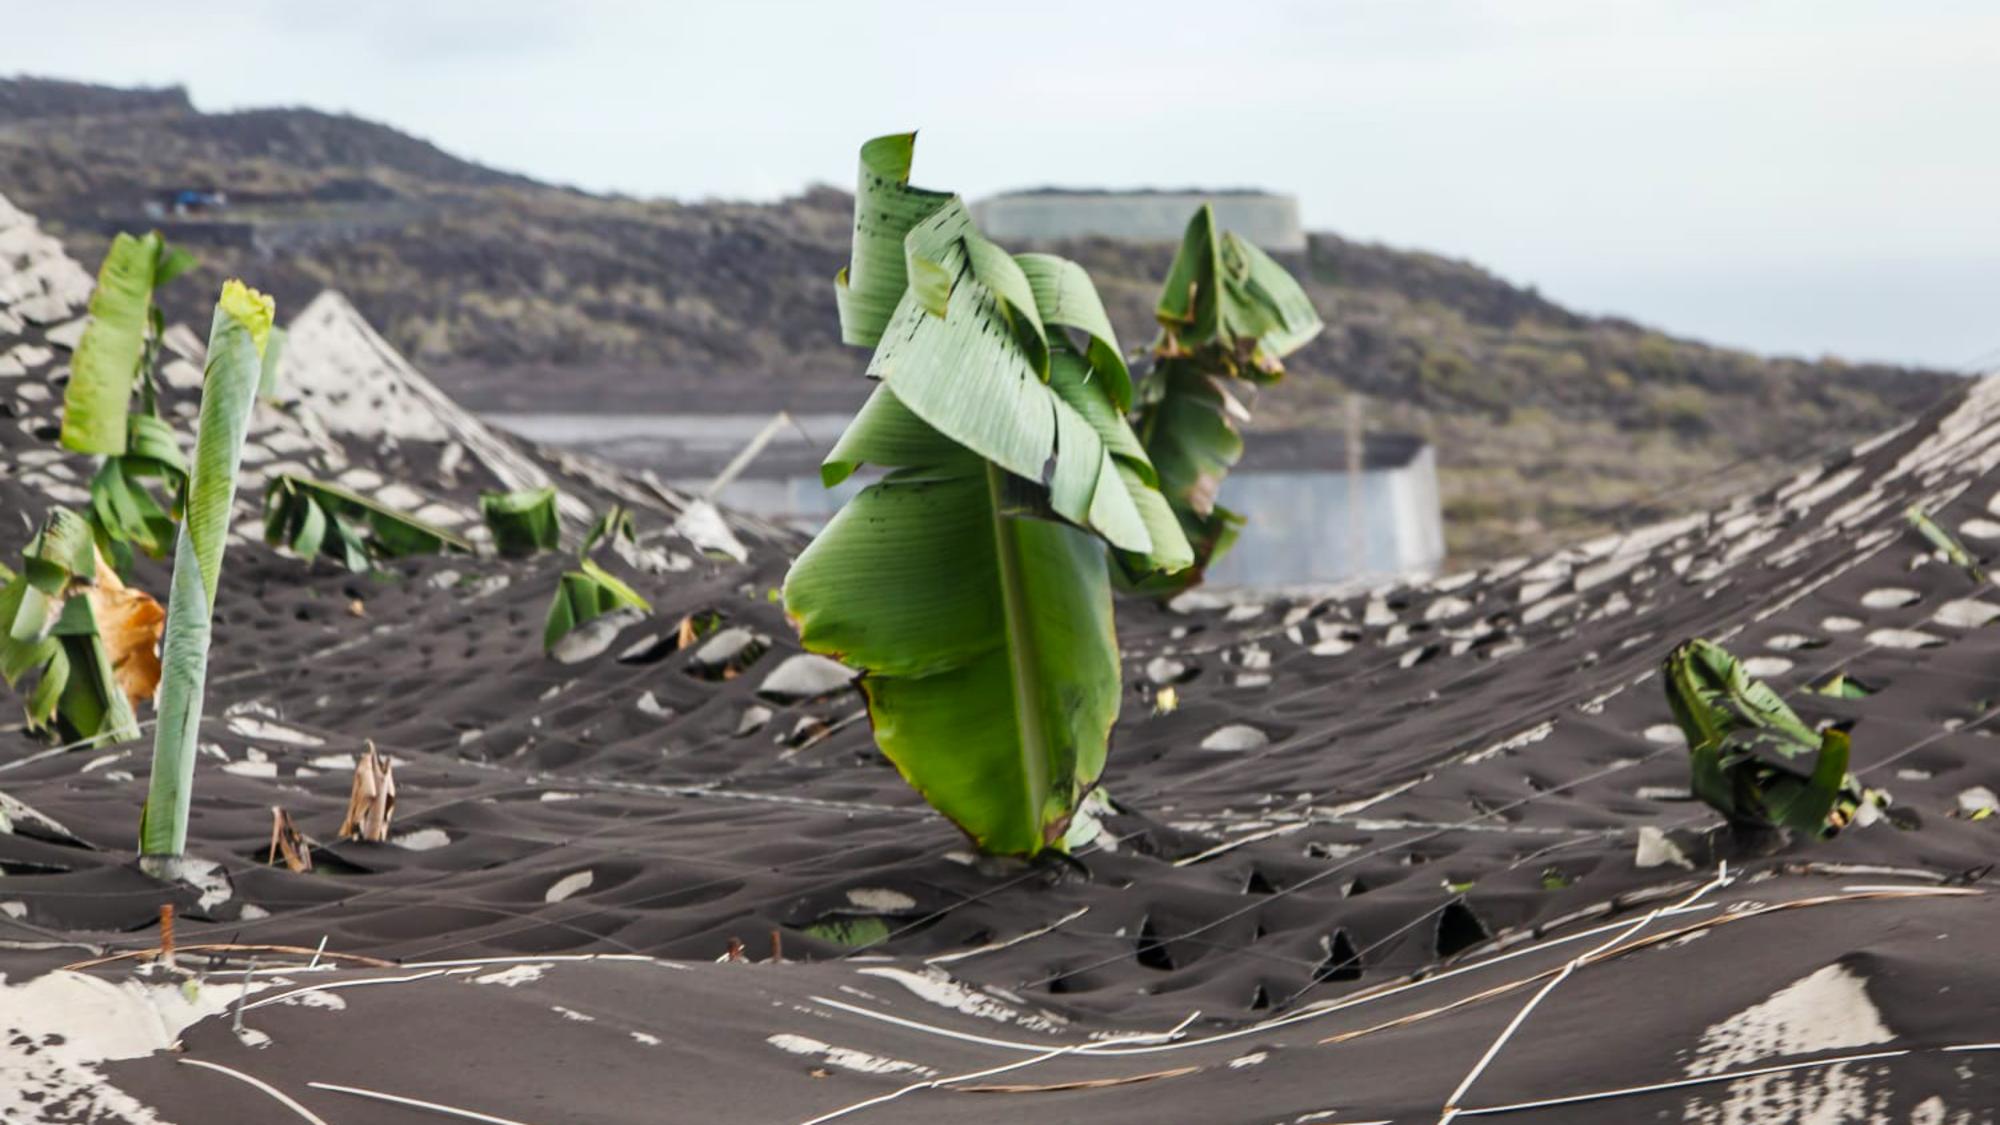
<point>1805,176</point>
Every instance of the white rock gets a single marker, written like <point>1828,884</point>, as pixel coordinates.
<point>1903,638</point>
<point>1966,613</point>
<point>568,885</point>
<point>589,640</point>
<point>806,676</point>
<point>1978,799</point>
<point>1656,850</point>
<point>1236,736</point>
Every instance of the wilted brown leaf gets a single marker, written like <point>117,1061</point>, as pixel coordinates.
<point>130,622</point>
<point>288,841</point>
<point>372,802</point>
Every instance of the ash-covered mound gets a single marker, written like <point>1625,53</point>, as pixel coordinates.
<point>1370,833</point>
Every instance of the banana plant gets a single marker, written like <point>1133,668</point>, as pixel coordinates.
<point>590,591</point>
<point>523,523</point>
<point>1734,725</point>
<point>68,618</point>
<point>118,353</point>
<point>970,585</point>
<point>124,511</point>
<point>1228,316</point>
<point>236,340</point>
<point>317,519</point>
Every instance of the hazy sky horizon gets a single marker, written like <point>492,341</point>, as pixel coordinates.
<point>1791,176</point>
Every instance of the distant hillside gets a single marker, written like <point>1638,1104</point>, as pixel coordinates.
<point>522,295</point>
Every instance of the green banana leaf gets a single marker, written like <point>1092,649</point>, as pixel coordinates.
<point>615,524</point>
<point>522,523</point>
<point>1228,314</point>
<point>271,373</point>
<point>236,341</point>
<point>52,632</point>
<point>985,632</point>
<point>585,593</point>
<point>1224,293</point>
<point>1727,719</point>
<point>1953,551</point>
<point>970,585</point>
<point>108,358</point>
<point>124,511</point>
<point>319,519</point>
<point>971,363</point>
<point>868,289</point>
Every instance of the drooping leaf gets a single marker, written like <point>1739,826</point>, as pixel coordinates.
<point>1953,551</point>
<point>522,522</point>
<point>982,374</point>
<point>371,800</point>
<point>107,359</point>
<point>1734,725</point>
<point>123,507</point>
<point>236,341</point>
<point>1065,296</point>
<point>583,594</point>
<point>317,518</point>
<point>51,631</point>
<point>129,622</point>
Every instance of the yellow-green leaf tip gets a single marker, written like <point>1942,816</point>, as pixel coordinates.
<point>253,310</point>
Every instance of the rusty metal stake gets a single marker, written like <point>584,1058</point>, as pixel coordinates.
<point>167,934</point>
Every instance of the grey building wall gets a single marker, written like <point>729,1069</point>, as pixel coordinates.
<point>1270,221</point>
<point>1314,526</point>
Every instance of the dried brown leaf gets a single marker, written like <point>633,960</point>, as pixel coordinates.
<point>129,622</point>
<point>288,841</point>
<point>371,804</point>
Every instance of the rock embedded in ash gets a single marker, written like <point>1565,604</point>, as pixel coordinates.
<point>1236,736</point>
<point>1656,849</point>
<point>806,676</point>
<point>753,720</point>
<point>734,647</point>
<point>589,640</point>
<point>1165,670</point>
<point>1978,801</point>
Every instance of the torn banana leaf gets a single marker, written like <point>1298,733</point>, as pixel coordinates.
<point>1228,316</point>
<point>522,523</point>
<point>1732,724</point>
<point>106,364</point>
<point>317,519</point>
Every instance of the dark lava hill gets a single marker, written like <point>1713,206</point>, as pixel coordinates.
<point>520,295</point>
